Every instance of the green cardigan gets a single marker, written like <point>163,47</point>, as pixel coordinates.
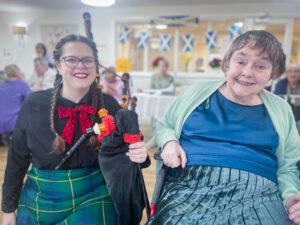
<point>288,151</point>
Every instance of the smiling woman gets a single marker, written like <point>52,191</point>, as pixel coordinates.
<point>77,193</point>
<point>78,69</point>
<point>238,166</point>
<point>256,70</point>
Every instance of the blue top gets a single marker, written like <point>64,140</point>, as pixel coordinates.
<point>12,95</point>
<point>222,133</point>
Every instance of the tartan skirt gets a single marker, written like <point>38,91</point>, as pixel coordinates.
<point>73,197</point>
<point>207,195</point>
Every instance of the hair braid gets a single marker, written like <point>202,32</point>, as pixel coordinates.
<point>59,144</point>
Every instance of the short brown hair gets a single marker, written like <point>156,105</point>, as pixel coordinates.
<point>259,39</point>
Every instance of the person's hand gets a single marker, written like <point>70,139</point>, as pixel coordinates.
<point>293,206</point>
<point>173,155</point>
<point>137,152</point>
<point>9,219</point>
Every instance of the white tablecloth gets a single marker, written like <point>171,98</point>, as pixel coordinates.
<point>152,106</point>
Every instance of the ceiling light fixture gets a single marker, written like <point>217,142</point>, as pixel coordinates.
<point>99,3</point>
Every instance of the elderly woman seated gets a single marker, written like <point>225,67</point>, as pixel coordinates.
<point>161,79</point>
<point>232,147</point>
<point>13,92</point>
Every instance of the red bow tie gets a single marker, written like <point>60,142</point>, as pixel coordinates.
<point>84,120</point>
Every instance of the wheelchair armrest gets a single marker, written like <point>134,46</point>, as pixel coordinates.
<point>157,154</point>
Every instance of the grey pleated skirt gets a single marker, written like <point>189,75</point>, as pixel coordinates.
<point>206,195</point>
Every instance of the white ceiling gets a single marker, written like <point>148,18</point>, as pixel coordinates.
<point>20,5</point>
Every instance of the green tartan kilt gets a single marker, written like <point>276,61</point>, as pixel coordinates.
<point>73,197</point>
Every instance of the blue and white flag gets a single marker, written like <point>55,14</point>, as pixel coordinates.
<point>165,42</point>
<point>234,31</point>
<point>211,39</point>
<point>143,40</point>
<point>124,35</point>
<point>188,42</point>
<point>175,20</point>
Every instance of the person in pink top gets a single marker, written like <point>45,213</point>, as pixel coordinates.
<point>112,85</point>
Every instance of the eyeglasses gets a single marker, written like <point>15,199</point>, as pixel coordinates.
<point>73,61</point>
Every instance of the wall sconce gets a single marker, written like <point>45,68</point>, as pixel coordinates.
<point>19,30</point>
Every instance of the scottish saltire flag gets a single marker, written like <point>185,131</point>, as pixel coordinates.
<point>175,20</point>
<point>165,42</point>
<point>234,31</point>
<point>143,40</point>
<point>124,35</point>
<point>211,39</point>
<point>188,42</point>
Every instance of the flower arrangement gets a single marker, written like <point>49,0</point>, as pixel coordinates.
<point>215,63</point>
<point>186,61</point>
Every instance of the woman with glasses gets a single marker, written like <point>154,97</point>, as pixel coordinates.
<point>49,123</point>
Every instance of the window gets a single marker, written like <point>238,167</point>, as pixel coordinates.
<point>198,58</point>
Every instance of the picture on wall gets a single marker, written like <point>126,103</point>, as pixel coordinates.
<point>52,33</point>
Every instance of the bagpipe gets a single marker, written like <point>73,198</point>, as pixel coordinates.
<point>124,178</point>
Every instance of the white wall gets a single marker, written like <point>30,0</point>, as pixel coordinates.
<point>103,21</point>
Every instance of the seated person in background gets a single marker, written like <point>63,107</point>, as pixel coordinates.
<point>161,79</point>
<point>43,78</point>
<point>231,147</point>
<point>13,91</point>
<point>41,51</point>
<point>290,85</point>
<point>112,85</point>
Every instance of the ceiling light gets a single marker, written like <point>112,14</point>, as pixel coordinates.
<point>99,3</point>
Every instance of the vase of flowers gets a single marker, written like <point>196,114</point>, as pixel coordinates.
<point>186,60</point>
<point>215,63</point>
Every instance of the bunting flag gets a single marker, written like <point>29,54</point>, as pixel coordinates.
<point>165,42</point>
<point>188,42</point>
<point>143,40</point>
<point>124,35</point>
<point>175,20</point>
<point>234,32</point>
<point>211,39</point>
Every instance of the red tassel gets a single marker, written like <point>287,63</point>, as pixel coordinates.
<point>109,124</point>
<point>132,138</point>
<point>100,137</point>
